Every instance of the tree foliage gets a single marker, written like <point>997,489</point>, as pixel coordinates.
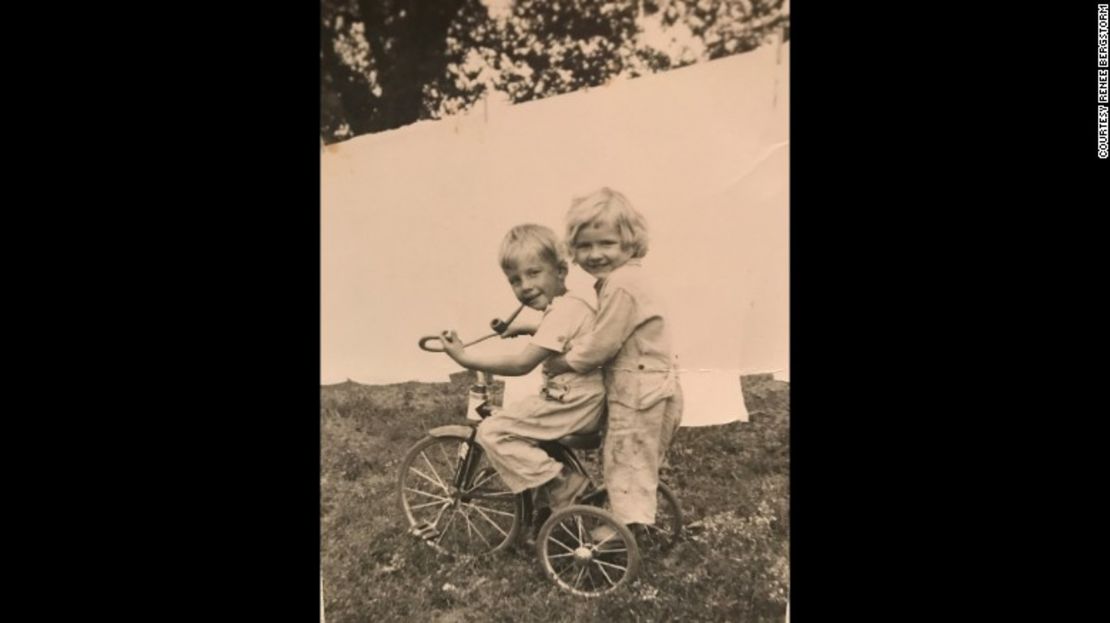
<point>388,63</point>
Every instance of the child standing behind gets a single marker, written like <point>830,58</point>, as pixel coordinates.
<point>631,341</point>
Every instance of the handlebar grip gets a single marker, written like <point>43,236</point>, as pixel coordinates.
<point>428,338</point>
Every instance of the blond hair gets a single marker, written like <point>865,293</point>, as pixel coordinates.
<point>530,238</point>
<point>608,205</point>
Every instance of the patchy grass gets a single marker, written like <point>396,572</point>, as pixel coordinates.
<point>731,565</point>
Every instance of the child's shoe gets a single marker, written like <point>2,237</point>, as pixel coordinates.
<point>564,488</point>
<point>605,537</point>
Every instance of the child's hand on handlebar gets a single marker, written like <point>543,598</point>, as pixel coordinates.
<point>452,345</point>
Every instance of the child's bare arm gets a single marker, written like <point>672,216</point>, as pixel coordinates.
<point>517,364</point>
<point>520,327</point>
<point>616,320</point>
<point>556,365</point>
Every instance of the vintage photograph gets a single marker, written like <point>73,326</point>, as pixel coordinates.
<point>554,310</point>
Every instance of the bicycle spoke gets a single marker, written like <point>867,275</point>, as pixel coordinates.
<point>433,468</point>
<point>425,504</point>
<point>564,570</point>
<point>578,577</point>
<point>560,555</point>
<point>590,577</point>
<point>431,495</point>
<point>446,527</point>
<point>484,480</point>
<point>604,573</point>
<point>434,482</point>
<point>561,544</point>
<point>439,515</point>
<point>486,517</point>
<point>469,526</point>
<point>492,510</point>
<point>564,527</point>
<point>476,530</point>
<point>609,564</point>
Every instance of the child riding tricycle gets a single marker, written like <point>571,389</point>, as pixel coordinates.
<point>608,372</point>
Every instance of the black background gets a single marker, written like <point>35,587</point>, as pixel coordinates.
<point>944,202</point>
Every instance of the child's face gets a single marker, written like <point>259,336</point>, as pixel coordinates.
<point>598,249</point>
<point>536,281</point>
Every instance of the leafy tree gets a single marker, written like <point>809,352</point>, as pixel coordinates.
<point>388,63</point>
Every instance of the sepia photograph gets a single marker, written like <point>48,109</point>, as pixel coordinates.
<point>554,310</point>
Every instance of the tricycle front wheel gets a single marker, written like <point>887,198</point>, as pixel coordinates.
<point>480,517</point>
